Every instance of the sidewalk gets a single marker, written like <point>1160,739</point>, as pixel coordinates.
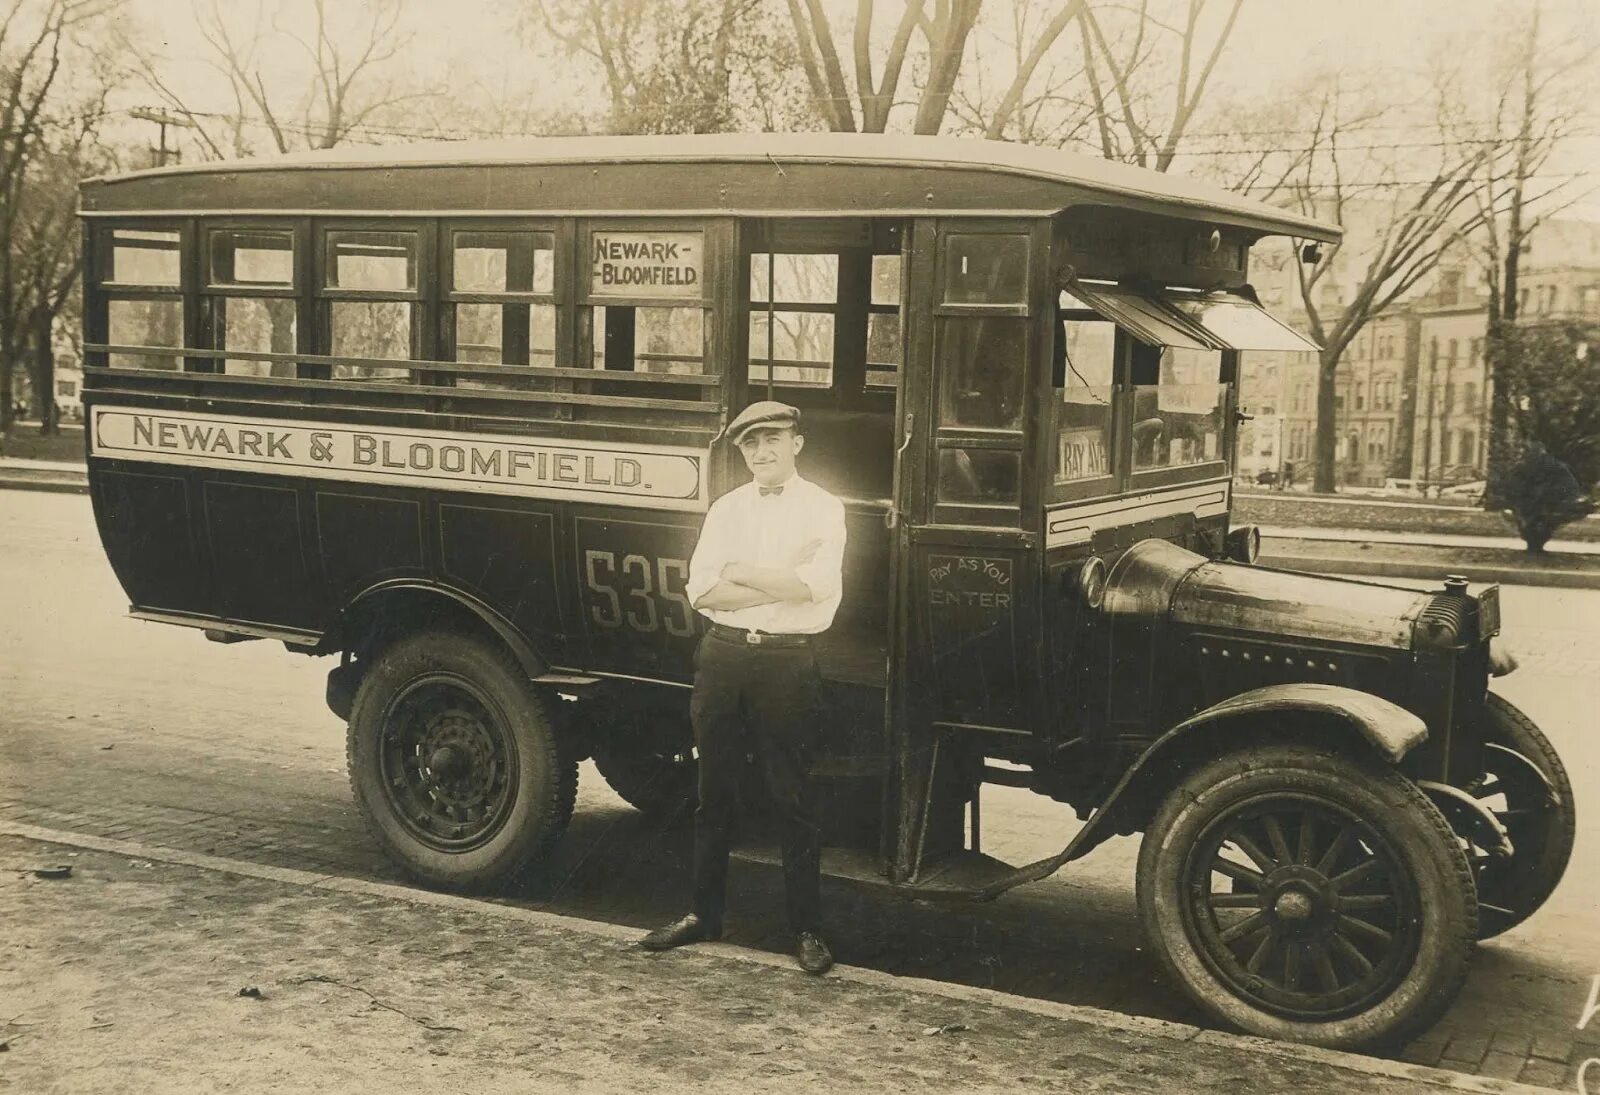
<point>155,970</point>
<point>1429,539</point>
<point>61,476</point>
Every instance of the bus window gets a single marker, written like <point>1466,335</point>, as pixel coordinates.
<point>986,269</point>
<point>250,292</point>
<point>152,322</point>
<point>981,477</point>
<point>883,322</point>
<point>145,259</point>
<point>371,283</point>
<point>648,340</point>
<point>803,302</point>
<point>1084,376</point>
<point>1178,399</point>
<point>141,273</point>
<point>502,285</point>
<point>981,362</point>
<point>647,299</point>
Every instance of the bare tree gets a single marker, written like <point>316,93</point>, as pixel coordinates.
<point>943,32</point>
<point>1542,88</point>
<point>43,119</point>
<point>699,66</point>
<point>1399,227</point>
<point>348,83</point>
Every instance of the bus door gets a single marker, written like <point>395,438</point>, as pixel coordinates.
<point>965,644</point>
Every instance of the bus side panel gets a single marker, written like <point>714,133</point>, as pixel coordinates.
<point>505,553</point>
<point>148,533</point>
<point>629,570</point>
<point>256,538</point>
<point>366,538</point>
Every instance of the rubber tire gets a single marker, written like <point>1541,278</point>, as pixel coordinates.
<point>1374,792</point>
<point>662,792</point>
<point>1535,878</point>
<point>548,774</point>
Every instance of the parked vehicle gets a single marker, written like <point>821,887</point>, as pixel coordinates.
<point>453,413</point>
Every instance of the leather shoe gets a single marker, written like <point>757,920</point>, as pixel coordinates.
<point>812,953</point>
<point>691,929</point>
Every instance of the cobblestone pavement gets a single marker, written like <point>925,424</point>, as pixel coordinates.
<point>153,973</point>
<point>120,729</point>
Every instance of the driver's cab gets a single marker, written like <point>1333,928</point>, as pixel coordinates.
<point>1069,391</point>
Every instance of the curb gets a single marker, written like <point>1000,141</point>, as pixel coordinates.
<point>53,486</point>
<point>615,933</point>
<point>1477,574</point>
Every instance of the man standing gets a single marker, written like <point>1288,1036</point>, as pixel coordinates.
<point>767,574</point>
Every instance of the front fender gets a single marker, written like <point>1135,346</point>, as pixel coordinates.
<point>1387,727</point>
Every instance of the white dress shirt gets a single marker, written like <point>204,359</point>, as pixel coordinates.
<point>800,529</point>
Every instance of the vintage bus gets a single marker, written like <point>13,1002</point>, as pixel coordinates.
<point>453,413</point>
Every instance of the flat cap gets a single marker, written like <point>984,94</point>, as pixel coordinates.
<point>766,412</point>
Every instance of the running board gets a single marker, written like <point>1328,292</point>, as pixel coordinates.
<point>959,875</point>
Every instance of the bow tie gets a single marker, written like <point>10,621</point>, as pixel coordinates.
<point>768,491</point>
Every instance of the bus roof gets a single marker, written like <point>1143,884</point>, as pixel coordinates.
<point>761,174</point>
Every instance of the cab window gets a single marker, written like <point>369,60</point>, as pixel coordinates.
<point>981,350</point>
<point>1178,401</point>
<point>1084,384</point>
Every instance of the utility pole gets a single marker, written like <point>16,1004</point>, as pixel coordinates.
<point>162,118</point>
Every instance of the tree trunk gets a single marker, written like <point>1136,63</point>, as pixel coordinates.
<point>8,357</point>
<point>44,371</point>
<point>1327,437</point>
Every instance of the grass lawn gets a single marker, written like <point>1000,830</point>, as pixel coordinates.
<point>1310,511</point>
<point>24,443</point>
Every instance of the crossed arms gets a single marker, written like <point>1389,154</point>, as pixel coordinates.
<point>718,582</point>
<point>744,586</point>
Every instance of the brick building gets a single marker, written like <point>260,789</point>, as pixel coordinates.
<point>1413,390</point>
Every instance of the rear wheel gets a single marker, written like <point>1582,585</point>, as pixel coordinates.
<point>1308,897</point>
<point>1525,786</point>
<point>456,763</point>
<point>646,754</point>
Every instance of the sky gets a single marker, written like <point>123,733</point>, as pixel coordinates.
<point>1277,43</point>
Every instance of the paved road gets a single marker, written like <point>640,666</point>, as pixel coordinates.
<point>118,728</point>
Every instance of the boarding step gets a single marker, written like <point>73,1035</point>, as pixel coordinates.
<point>957,874</point>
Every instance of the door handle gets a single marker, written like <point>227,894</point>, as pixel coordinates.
<point>892,518</point>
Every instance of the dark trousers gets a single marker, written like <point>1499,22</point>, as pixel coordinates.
<point>763,701</point>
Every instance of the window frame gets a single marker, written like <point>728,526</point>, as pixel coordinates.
<point>583,300</point>
<point>102,291</point>
<point>1023,440</point>
<point>1101,485</point>
<point>450,298</point>
<point>210,294</point>
<point>422,296</point>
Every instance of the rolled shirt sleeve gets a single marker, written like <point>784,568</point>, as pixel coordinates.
<point>823,571</point>
<point>710,553</point>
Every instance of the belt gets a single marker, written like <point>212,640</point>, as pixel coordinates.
<point>758,638</point>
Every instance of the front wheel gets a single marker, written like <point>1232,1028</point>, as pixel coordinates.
<point>1308,897</point>
<point>456,763</point>
<point>1525,786</point>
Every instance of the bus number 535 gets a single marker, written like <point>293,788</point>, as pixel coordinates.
<point>634,593</point>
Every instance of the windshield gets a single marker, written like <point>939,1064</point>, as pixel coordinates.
<point>1177,408</point>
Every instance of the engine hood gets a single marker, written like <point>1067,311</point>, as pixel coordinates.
<point>1156,577</point>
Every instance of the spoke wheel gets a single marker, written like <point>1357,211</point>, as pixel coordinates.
<point>456,763</point>
<point>1307,896</point>
<point>1300,907</point>
<point>1525,786</point>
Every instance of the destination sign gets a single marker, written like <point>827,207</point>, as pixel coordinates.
<point>652,476</point>
<point>646,264</point>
